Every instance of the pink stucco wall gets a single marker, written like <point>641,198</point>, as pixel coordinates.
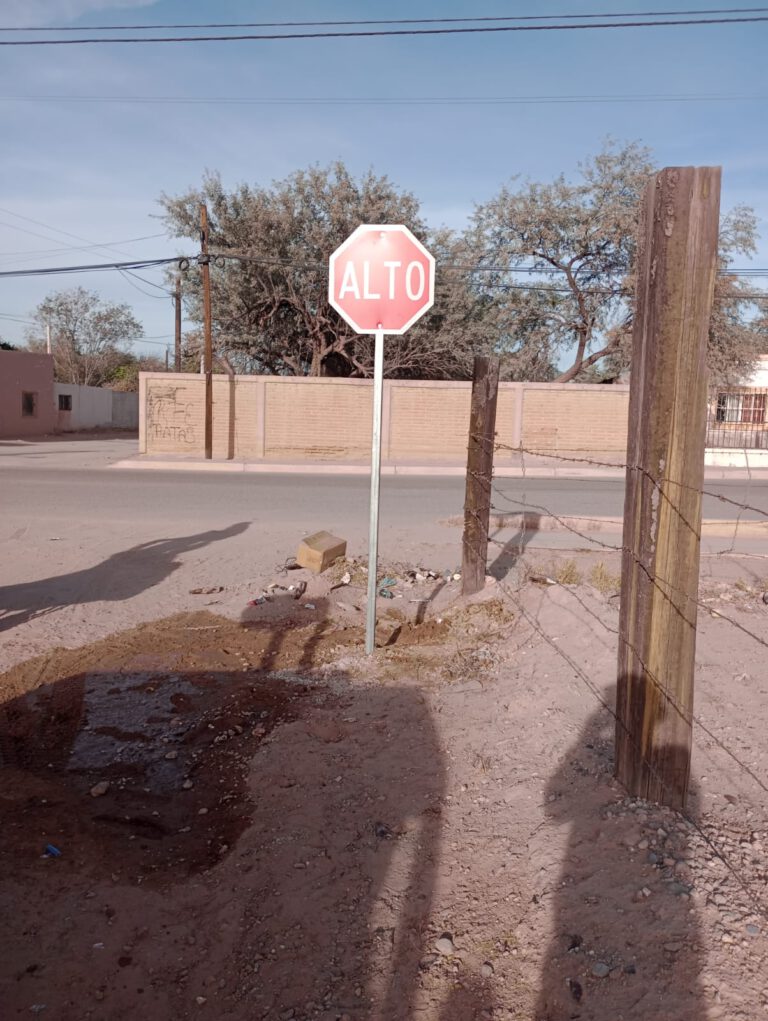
<point>22,372</point>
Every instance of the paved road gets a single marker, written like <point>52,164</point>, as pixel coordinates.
<point>85,552</point>
<point>280,501</point>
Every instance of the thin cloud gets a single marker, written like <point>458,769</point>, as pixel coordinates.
<point>53,12</point>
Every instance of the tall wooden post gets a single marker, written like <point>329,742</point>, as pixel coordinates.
<point>477,502</point>
<point>177,324</point>
<point>205,270</point>
<point>677,261</point>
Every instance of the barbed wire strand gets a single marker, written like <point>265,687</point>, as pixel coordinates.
<point>689,718</point>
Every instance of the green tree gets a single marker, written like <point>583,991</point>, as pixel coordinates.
<point>580,241</point>
<point>89,336</point>
<point>270,310</point>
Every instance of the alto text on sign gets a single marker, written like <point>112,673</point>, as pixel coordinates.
<point>381,278</point>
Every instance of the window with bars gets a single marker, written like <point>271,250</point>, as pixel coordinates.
<point>741,407</point>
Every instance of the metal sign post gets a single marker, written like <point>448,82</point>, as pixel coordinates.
<point>373,526</point>
<point>380,280</point>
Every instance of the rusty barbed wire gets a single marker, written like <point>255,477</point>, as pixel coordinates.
<point>689,718</point>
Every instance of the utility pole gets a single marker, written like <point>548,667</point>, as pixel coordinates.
<point>167,354</point>
<point>677,261</point>
<point>48,338</point>
<point>477,501</point>
<point>205,270</point>
<point>177,303</point>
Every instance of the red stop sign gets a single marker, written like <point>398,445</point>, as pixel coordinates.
<point>381,278</point>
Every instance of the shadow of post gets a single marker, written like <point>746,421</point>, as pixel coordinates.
<point>513,549</point>
<point>621,914</point>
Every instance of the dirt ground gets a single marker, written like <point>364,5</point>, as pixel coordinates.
<point>246,818</point>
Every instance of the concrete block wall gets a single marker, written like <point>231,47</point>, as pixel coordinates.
<point>300,419</point>
<point>95,407</point>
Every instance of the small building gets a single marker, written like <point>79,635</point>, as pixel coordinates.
<point>26,394</point>
<point>738,416</point>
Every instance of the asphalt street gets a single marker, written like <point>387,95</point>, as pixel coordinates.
<point>89,550</point>
<point>105,498</point>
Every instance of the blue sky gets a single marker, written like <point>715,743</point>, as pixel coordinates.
<point>96,169</point>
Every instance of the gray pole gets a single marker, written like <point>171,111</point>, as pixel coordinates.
<point>373,528</point>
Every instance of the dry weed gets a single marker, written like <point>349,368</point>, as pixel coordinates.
<point>567,573</point>
<point>604,580</point>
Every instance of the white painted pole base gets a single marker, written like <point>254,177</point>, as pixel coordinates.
<point>373,527</point>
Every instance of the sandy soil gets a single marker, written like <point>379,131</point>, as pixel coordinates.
<point>257,822</point>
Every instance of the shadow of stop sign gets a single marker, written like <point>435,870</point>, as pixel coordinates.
<point>381,278</point>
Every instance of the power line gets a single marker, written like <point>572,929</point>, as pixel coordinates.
<point>73,248</point>
<point>377,21</point>
<point>386,100</point>
<point>56,230</point>
<point>185,261</point>
<point>377,33</point>
<point>93,267</point>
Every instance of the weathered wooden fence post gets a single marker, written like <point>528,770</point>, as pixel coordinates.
<point>677,261</point>
<point>477,502</point>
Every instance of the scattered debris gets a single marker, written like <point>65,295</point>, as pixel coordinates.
<point>206,591</point>
<point>345,579</point>
<point>298,590</point>
<point>385,585</point>
<point>309,606</point>
<point>541,579</point>
<point>317,552</point>
<point>51,851</point>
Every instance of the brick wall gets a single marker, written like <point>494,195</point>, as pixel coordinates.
<point>290,419</point>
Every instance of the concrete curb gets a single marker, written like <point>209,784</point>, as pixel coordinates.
<point>448,471</point>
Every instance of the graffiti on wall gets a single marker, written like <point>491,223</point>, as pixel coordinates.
<point>170,415</point>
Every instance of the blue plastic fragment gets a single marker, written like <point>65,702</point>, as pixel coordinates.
<point>52,851</point>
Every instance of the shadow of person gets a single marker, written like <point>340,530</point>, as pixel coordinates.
<point>513,549</point>
<point>267,842</point>
<point>121,576</point>
<point>625,939</point>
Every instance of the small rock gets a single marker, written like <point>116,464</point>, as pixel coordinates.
<point>673,948</point>
<point>601,969</point>
<point>187,785</point>
<point>202,811</point>
<point>444,945</point>
<point>753,930</point>
<point>679,889</point>
<point>486,969</point>
<point>100,789</point>
<point>309,606</point>
<point>172,755</point>
<point>200,1000</point>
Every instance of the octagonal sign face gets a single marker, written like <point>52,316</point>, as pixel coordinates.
<point>381,278</point>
